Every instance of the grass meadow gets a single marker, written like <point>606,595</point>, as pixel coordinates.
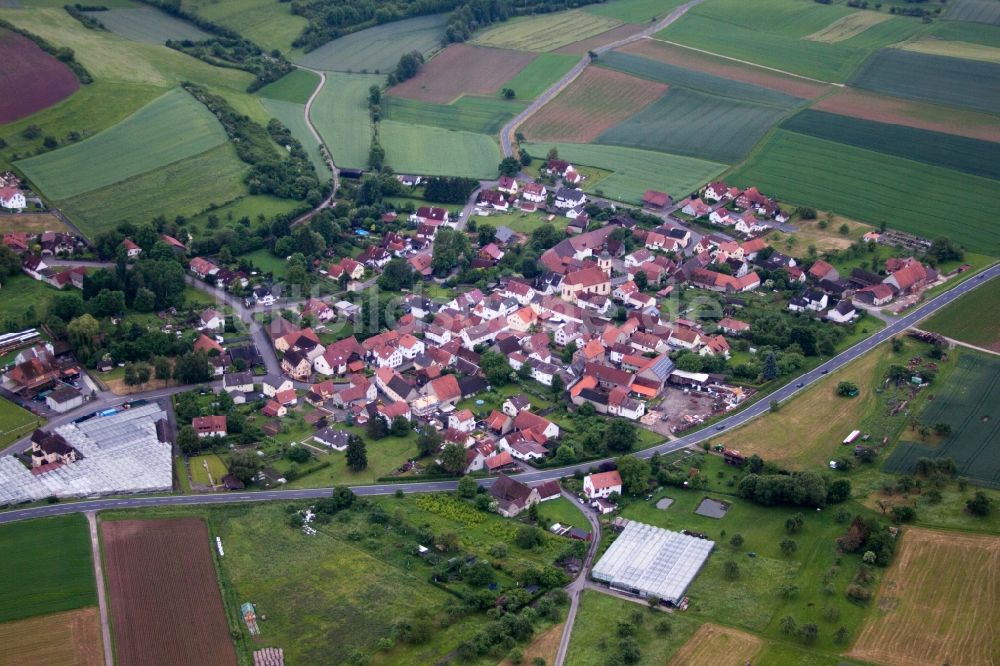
<point>378,49</point>
<point>216,468</point>
<point>294,87</point>
<point>872,187</point>
<point>340,114</point>
<point>485,115</point>
<point>292,116</point>
<point>172,128</point>
<point>438,152</point>
<point>540,73</point>
<point>20,292</point>
<point>634,171</point>
<point>15,422</point>
<point>564,512</point>
<point>963,319</point>
<point>546,32</point>
<point>148,24</point>
<point>265,22</point>
<point>59,547</point>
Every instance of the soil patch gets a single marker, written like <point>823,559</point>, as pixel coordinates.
<point>545,645</point>
<point>712,645</point>
<point>30,79</point>
<point>463,69</point>
<point>60,639</point>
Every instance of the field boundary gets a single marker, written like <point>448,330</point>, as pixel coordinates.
<point>102,603</point>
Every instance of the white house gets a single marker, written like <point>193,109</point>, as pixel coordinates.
<point>411,347</point>
<point>844,312</point>
<point>13,198</point>
<point>463,421</point>
<point>212,320</point>
<point>568,197</point>
<point>271,391</point>
<point>534,192</point>
<point>387,357</point>
<point>238,381</point>
<point>603,484</point>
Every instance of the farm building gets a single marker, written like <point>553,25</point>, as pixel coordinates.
<point>650,561</point>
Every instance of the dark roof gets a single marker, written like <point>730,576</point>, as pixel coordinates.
<point>471,385</point>
<point>510,490</point>
<point>51,442</point>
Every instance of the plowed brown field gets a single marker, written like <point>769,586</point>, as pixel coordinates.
<point>166,606</point>
<point>597,100</point>
<point>60,639</point>
<point>463,69</point>
<point>30,79</point>
<point>939,603</point>
<point>713,645</point>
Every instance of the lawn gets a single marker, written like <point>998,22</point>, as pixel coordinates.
<point>58,546</point>
<point>564,512</point>
<point>20,292</point>
<point>292,116</point>
<point>872,187</point>
<point>634,11</point>
<point>385,456</point>
<point>250,205</point>
<point>485,115</point>
<point>186,187</point>
<point>378,49</point>
<point>435,151</point>
<point>523,223</point>
<point>540,74</point>
<point>294,87</point>
<point>148,24</point>
<point>340,114</point>
<point>172,128</point>
<point>216,468</point>
<point>546,32</point>
<point>267,262</point>
<point>265,22</point>
<point>15,422</point>
<point>635,171</point>
<point>963,319</point>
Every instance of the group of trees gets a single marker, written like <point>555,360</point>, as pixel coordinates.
<point>797,489</point>
<point>407,67</point>
<point>449,189</point>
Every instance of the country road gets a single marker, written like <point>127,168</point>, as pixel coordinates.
<point>326,203</point>
<point>507,131</point>
<point>759,408</point>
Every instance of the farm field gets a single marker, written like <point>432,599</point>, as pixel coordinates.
<point>340,114</point>
<point>378,49</point>
<point>871,187</point>
<point>969,84</point>
<point>462,69</point>
<point>733,28</point>
<point>292,116</point>
<point>634,11</point>
<point>921,115</point>
<point>216,468</point>
<point>635,171</point>
<point>438,152</point>
<point>539,74</point>
<point>979,158</point>
<point>188,187</point>
<point>963,319</point>
<point>172,128</point>
<point>164,595</point>
<point>15,422</point>
<point>846,27</point>
<point>934,611</point>
<point>546,32</point>
<point>60,547</point>
<point>688,122</point>
<point>976,11</point>
<point>596,101</point>
<point>582,47</point>
<point>148,24</point>
<point>31,79</point>
<point>966,402</point>
<point>485,115</point>
<point>32,223</point>
<point>713,644</point>
<point>709,64</point>
<point>940,47</point>
<point>294,87</point>
<point>265,22</point>
<point>72,638</point>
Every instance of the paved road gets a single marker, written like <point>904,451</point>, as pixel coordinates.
<point>326,203</point>
<point>507,131</point>
<point>576,587</point>
<point>753,411</point>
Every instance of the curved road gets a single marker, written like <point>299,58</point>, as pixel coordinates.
<point>319,140</point>
<point>753,411</point>
<point>507,131</point>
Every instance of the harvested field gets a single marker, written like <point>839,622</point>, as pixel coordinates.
<point>938,603</point>
<point>30,79</point>
<point>148,24</point>
<point>952,81</point>
<point>974,11</point>
<point>596,101</point>
<point>546,32</point>
<point>165,601</point>
<point>541,73</point>
<point>33,223</point>
<point>584,45</point>
<point>942,47</point>
<point>884,109</point>
<point>846,27</point>
<point>61,639</point>
<point>714,645</point>
<point>378,49</point>
<point>979,158</point>
<point>703,62</point>
<point>461,69</point>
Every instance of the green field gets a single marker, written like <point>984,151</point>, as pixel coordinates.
<point>546,32</point>
<point>47,567</point>
<point>976,11</point>
<point>979,158</point>
<point>634,11</point>
<point>20,292</point>
<point>635,171</point>
<point>540,74</point>
<point>378,49</point>
<point>267,23</point>
<point>295,87</point>
<point>963,319</point>
<point>250,205</point>
<point>872,187</point>
<point>564,512</point>
<point>15,422</point>
<point>952,81</point>
<point>681,77</point>
<point>967,402</point>
<point>292,116</point>
<point>148,24</point>
<point>485,115</point>
<point>688,122</point>
<point>216,467</point>
<point>340,114</point>
<point>186,187</point>
<point>267,262</point>
<point>735,28</point>
<point>434,151</point>
<point>172,128</point>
